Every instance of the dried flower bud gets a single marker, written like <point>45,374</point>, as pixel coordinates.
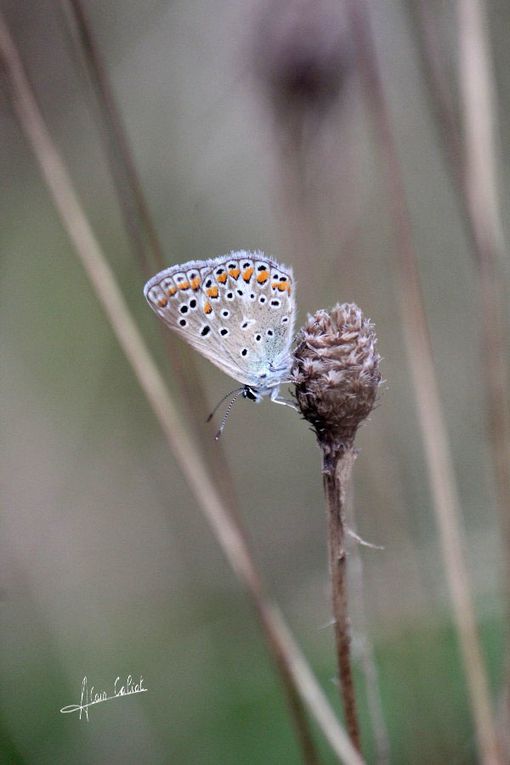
<point>303,53</point>
<point>336,371</point>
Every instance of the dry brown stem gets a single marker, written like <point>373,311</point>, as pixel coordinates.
<point>336,370</point>
<point>431,416</point>
<point>474,171</point>
<point>142,232</point>
<point>336,473</point>
<point>295,672</point>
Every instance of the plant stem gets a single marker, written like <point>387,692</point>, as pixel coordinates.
<point>336,471</point>
<point>297,673</point>
<point>140,228</point>
<point>143,236</point>
<point>134,206</point>
<point>431,415</point>
<point>473,175</point>
<point>367,658</point>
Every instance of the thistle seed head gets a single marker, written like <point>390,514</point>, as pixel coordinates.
<point>336,373</point>
<point>303,54</point>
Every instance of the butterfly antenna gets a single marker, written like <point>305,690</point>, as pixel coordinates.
<point>227,413</point>
<point>237,390</point>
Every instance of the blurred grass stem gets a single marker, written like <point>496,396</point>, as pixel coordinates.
<point>482,195</point>
<point>143,235</point>
<point>137,217</point>
<point>299,681</point>
<point>474,170</point>
<point>364,647</point>
<point>431,416</point>
<point>481,185</point>
<point>472,164</point>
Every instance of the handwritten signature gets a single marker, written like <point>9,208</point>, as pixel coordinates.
<point>89,696</point>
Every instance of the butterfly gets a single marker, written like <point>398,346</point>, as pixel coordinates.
<point>238,311</point>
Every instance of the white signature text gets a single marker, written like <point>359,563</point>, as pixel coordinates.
<point>89,696</point>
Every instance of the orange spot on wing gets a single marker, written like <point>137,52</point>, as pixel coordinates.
<point>212,292</point>
<point>262,277</point>
<point>281,286</point>
<point>207,308</point>
<point>195,283</point>
<point>171,291</point>
<point>247,274</point>
<point>184,285</point>
<point>162,302</point>
<point>221,278</point>
<point>234,272</point>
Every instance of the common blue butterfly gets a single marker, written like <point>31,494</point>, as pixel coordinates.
<point>238,310</point>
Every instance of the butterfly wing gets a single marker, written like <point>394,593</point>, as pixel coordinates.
<point>176,295</point>
<point>237,310</point>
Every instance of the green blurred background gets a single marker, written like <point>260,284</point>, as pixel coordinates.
<point>107,565</point>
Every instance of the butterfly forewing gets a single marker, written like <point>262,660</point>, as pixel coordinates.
<point>237,310</point>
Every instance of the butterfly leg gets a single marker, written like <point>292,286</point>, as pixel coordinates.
<point>282,401</point>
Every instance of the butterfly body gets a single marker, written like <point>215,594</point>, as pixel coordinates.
<point>237,310</point>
